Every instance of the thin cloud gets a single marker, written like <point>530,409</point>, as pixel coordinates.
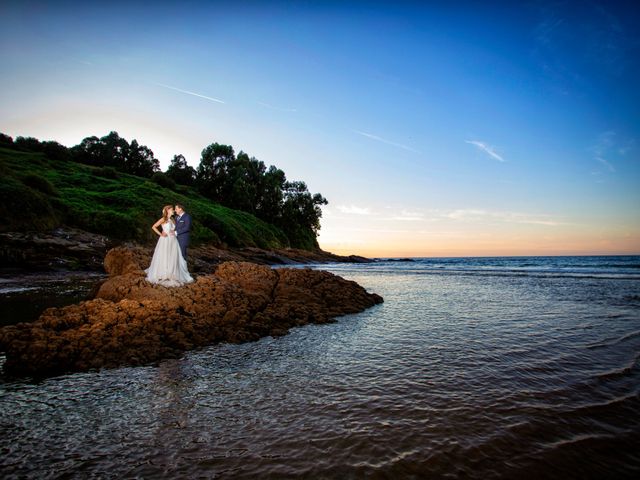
<point>188,92</point>
<point>604,145</point>
<point>408,216</point>
<point>606,140</point>
<point>546,30</point>
<point>606,163</point>
<point>609,148</point>
<point>627,147</point>
<point>475,215</point>
<point>465,214</point>
<point>388,142</point>
<point>352,209</point>
<point>280,109</point>
<point>488,149</point>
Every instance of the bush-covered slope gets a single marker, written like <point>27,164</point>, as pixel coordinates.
<point>38,193</point>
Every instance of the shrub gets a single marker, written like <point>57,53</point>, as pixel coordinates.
<point>6,140</point>
<point>39,183</point>
<point>118,199</point>
<point>106,172</point>
<point>55,151</point>
<point>29,144</point>
<point>201,234</point>
<point>24,208</point>
<point>163,180</point>
<point>110,223</point>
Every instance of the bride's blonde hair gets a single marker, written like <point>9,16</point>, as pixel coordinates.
<point>165,213</point>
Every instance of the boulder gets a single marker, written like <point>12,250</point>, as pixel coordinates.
<point>123,260</point>
<point>134,322</point>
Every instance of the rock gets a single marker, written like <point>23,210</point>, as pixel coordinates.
<point>133,322</point>
<point>283,256</point>
<point>123,260</point>
<point>61,249</point>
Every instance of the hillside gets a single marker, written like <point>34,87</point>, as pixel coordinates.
<point>39,194</point>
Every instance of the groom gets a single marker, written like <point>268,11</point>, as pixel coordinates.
<point>183,227</point>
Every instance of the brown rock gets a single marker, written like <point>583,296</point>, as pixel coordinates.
<point>121,261</point>
<point>133,322</point>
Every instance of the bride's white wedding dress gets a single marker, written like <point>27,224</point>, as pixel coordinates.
<point>168,267</point>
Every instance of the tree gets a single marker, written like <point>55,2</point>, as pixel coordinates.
<point>108,151</point>
<point>212,177</point>
<point>140,160</point>
<point>55,151</point>
<point>87,151</point>
<point>301,213</point>
<point>244,183</point>
<point>269,205</point>
<point>27,143</point>
<point>51,149</point>
<point>245,178</point>
<point>6,140</point>
<point>114,151</point>
<point>180,171</point>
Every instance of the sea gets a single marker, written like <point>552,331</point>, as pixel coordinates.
<point>472,368</point>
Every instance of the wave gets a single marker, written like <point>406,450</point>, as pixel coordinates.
<point>6,290</point>
<point>499,272</point>
<point>629,264</point>
<point>619,372</point>
<point>613,341</point>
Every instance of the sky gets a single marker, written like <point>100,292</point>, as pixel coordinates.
<point>432,128</point>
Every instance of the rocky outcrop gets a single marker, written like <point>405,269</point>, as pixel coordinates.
<point>133,322</point>
<point>286,256</point>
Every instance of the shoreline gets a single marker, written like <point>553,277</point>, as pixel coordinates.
<point>130,321</point>
<point>66,265</point>
<point>71,250</point>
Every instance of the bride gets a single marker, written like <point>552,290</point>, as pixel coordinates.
<point>167,267</point>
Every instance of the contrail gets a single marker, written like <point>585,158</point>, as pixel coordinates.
<point>388,142</point>
<point>188,92</point>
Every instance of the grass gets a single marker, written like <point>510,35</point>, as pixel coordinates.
<point>39,194</point>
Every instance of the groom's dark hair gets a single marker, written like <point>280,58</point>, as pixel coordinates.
<point>179,205</point>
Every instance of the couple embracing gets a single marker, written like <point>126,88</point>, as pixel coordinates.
<point>169,263</point>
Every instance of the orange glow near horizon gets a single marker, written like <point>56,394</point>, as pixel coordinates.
<point>469,240</point>
<point>453,140</point>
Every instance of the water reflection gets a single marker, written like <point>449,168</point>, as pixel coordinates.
<point>453,376</point>
<point>24,297</point>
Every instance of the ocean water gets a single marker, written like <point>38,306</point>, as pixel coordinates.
<point>472,368</point>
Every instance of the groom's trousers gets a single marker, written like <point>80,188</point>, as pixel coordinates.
<point>183,241</point>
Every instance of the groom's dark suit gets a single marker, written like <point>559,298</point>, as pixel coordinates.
<point>183,228</point>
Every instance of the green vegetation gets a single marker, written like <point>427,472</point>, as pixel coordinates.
<point>39,193</point>
<point>245,183</point>
<point>277,211</point>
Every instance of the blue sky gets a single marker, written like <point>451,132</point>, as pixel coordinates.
<point>434,129</point>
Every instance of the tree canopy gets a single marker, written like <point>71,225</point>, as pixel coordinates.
<point>245,183</point>
<point>114,151</point>
<point>180,171</point>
